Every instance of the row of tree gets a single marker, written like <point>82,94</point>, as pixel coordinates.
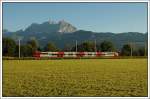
<point>10,48</point>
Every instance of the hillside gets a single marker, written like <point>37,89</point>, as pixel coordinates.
<point>63,33</point>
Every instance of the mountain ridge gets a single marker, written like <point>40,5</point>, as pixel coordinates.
<point>62,33</point>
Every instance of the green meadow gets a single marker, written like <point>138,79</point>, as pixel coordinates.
<point>75,77</point>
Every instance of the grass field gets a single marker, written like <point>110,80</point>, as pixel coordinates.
<point>80,77</point>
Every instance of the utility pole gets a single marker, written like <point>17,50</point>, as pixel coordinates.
<point>19,48</point>
<point>95,46</point>
<point>76,46</point>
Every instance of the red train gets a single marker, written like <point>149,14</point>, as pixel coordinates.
<point>38,54</point>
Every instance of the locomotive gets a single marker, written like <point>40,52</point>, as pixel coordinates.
<point>39,55</point>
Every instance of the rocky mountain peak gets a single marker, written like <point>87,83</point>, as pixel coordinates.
<point>66,27</point>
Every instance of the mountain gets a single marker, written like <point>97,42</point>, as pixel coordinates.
<point>51,27</point>
<point>63,33</point>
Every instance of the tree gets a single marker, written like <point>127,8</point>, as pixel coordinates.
<point>107,46</point>
<point>141,51</point>
<point>135,52</point>
<point>33,45</point>
<point>67,47</point>
<point>25,50</point>
<point>85,46</point>
<point>126,50</point>
<point>50,47</point>
<point>9,47</point>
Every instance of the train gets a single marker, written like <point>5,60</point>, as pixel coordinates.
<point>39,54</point>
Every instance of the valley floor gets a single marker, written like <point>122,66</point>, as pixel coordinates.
<point>82,77</point>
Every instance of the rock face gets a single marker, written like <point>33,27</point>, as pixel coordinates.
<point>51,27</point>
<point>66,27</point>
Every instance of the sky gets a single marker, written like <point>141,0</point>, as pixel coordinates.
<point>96,17</point>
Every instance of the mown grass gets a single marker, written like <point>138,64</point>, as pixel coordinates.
<point>82,77</point>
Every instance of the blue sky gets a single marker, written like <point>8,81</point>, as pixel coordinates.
<point>98,17</point>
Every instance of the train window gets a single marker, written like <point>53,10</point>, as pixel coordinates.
<point>44,53</point>
<point>70,54</point>
<point>54,54</point>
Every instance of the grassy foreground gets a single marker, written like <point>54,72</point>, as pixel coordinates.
<point>85,77</point>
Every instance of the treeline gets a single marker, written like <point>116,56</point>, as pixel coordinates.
<point>11,49</point>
